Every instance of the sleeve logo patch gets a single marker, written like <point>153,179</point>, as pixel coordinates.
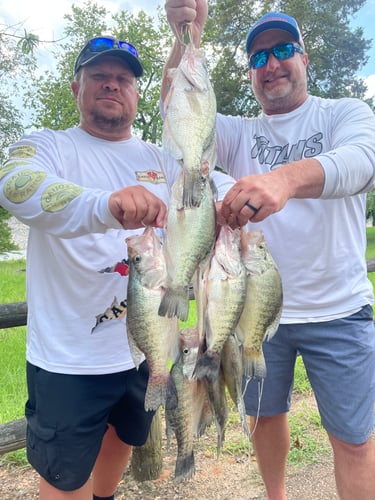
<point>24,151</point>
<point>23,184</point>
<point>9,165</point>
<point>57,196</point>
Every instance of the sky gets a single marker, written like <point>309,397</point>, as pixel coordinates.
<point>45,19</point>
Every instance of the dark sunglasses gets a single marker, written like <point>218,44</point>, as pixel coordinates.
<point>101,44</point>
<point>281,52</point>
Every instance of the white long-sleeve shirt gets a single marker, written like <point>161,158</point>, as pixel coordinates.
<point>318,244</point>
<point>59,183</point>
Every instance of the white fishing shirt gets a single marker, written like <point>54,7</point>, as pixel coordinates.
<point>318,244</point>
<point>59,184</point>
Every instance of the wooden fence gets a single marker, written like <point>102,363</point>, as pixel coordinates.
<point>13,434</point>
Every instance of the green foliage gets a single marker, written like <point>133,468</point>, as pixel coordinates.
<point>16,58</point>
<point>370,205</point>
<point>301,382</point>
<point>336,50</point>
<point>370,250</point>
<point>13,392</point>
<point>50,96</point>
<point>6,243</point>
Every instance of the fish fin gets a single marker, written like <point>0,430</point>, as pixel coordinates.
<point>272,329</point>
<point>254,364</point>
<point>208,366</point>
<point>171,400</point>
<point>175,303</point>
<point>192,192</point>
<point>185,468</point>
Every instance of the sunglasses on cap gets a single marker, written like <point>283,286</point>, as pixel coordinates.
<point>281,52</point>
<point>102,44</point>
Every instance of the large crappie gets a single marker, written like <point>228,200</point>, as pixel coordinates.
<point>190,237</point>
<point>148,333</point>
<point>225,292</point>
<point>189,124</point>
<point>190,417</point>
<point>264,298</point>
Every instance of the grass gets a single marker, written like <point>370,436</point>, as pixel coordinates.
<point>306,430</point>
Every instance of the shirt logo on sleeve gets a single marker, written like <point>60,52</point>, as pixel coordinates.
<point>23,151</point>
<point>23,184</point>
<point>57,196</point>
<point>10,165</point>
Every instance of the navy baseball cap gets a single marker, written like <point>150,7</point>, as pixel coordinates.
<point>272,21</point>
<point>109,46</point>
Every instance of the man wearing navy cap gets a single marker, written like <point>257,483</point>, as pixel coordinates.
<point>304,166</point>
<point>82,191</point>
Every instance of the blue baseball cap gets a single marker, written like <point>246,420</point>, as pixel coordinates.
<point>274,21</point>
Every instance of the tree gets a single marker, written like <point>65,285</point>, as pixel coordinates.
<point>336,54</point>
<point>16,58</point>
<point>50,97</point>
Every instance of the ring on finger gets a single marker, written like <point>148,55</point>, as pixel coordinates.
<point>254,209</point>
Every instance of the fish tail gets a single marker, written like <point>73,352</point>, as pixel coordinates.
<point>185,467</point>
<point>254,365</point>
<point>175,303</point>
<point>192,192</point>
<point>208,366</point>
<point>156,392</point>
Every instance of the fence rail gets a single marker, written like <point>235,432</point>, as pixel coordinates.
<point>13,434</point>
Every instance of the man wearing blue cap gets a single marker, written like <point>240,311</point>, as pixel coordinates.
<point>303,168</point>
<point>82,191</point>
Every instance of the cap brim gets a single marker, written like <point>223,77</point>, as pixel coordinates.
<point>130,60</point>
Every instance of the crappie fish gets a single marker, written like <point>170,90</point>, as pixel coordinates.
<point>226,292</point>
<point>148,333</point>
<point>190,237</point>
<point>186,419</point>
<point>264,298</point>
<point>190,120</point>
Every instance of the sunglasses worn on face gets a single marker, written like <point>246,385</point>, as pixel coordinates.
<point>281,52</point>
<point>101,44</point>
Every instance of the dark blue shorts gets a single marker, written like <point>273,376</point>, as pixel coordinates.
<point>67,417</point>
<point>339,357</point>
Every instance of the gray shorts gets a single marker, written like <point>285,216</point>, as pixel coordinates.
<point>339,357</point>
<point>67,417</point>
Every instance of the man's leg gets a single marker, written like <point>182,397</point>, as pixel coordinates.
<point>354,469</point>
<point>49,492</point>
<point>270,437</point>
<point>110,465</point>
